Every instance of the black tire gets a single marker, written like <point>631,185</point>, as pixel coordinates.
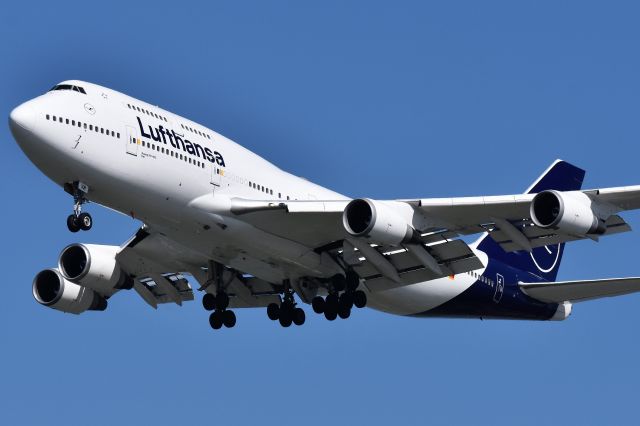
<point>222,301</point>
<point>72,223</point>
<point>285,320</point>
<point>353,280</point>
<point>215,320</point>
<point>286,311</point>
<point>330,314</point>
<point>273,311</point>
<point>229,319</point>
<point>339,282</point>
<point>209,302</point>
<point>344,313</point>
<point>331,303</point>
<point>359,299</point>
<point>298,316</point>
<point>318,304</point>
<point>345,302</point>
<point>85,221</point>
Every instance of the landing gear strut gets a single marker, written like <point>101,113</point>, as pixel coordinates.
<point>219,302</point>
<point>338,304</point>
<point>77,220</point>
<point>286,312</point>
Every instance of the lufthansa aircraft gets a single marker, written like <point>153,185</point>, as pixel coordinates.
<point>252,235</point>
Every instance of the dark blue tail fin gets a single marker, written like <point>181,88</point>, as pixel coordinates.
<point>542,261</point>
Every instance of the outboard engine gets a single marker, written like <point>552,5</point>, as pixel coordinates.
<point>51,289</point>
<point>570,212</point>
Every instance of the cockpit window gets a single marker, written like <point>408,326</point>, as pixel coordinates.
<point>68,87</point>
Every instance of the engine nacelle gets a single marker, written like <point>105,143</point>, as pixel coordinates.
<point>365,218</point>
<point>93,266</point>
<point>570,212</point>
<point>51,289</point>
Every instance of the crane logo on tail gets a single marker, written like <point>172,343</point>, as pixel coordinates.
<point>546,258</point>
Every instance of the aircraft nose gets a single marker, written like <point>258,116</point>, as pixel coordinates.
<point>22,116</point>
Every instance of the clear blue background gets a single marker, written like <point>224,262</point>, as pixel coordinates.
<point>384,100</point>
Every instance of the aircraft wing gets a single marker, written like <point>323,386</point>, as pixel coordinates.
<point>506,218</point>
<point>578,291</point>
<point>154,262</point>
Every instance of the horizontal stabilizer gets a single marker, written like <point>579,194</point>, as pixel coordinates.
<point>578,291</point>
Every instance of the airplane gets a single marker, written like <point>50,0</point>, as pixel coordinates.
<point>250,235</point>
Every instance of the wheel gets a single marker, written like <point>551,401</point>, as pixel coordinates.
<point>285,320</point>
<point>318,304</point>
<point>222,301</point>
<point>360,299</point>
<point>331,303</point>
<point>273,311</point>
<point>228,319</point>
<point>330,314</point>
<point>286,311</point>
<point>339,282</point>
<point>345,302</point>
<point>344,313</point>
<point>72,223</point>
<point>85,221</point>
<point>209,302</point>
<point>353,280</point>
<point>298,316</point>
<point>215,320</point>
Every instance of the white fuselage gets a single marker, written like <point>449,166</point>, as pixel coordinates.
<point>105,139</point>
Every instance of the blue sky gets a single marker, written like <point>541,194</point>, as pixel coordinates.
<point>377,99</point>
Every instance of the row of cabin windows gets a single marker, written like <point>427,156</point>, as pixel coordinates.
<point>265,190</point>
<point>482,278</point>
<point>170,152</point>
<point>196,131</point>
<point>145,111</point>
<point>83,125</point>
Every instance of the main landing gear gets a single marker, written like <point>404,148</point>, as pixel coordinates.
<point>77,220</point>
<point>286,312</point>
<point>220,315</point>
<point>218,303</point>
<point>340,305</point>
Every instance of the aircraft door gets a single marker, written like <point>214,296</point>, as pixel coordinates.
<point>216,175</point>
<point>497,296</point>
<point>132,141</point>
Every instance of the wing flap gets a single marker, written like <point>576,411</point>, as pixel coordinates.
<point>578,291</point>
<point>453,257</point>
<point>539,237</point>
<point>165,288</point>
<point>380,283</point>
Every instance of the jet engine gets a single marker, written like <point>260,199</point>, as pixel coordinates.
<point>51,289</point>
<point>365,218</point>
<point>570,212</point>
<point>94,266</point>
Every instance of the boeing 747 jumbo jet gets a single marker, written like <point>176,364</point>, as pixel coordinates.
<point>252,235</point>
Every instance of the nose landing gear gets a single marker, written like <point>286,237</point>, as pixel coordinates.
<point>77,220</point>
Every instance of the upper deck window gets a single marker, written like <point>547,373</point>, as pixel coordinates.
<point>68,87</point>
